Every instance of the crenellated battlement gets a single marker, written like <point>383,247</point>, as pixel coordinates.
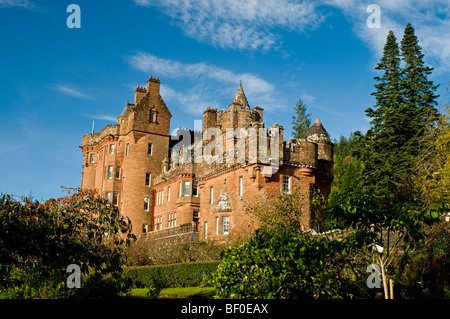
<point>93,139</point>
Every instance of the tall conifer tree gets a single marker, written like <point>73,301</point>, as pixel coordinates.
<point>301,121</point>
<point>386,140</point>
<point>418,91</point>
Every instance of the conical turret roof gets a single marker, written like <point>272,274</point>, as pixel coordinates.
<point>240,99</point>
<point>317,133</point>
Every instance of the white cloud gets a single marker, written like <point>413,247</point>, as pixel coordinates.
<point>256,24</point>
<point>70,91</point>
<point>149,63</point>
<point>237,24</point>
<point>193,100</point>
<point>16,3</point>
<point>429,19</point>
<point>103,117</point>
<point>212,84</point>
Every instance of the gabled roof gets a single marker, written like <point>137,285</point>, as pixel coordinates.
<point>127,110</point>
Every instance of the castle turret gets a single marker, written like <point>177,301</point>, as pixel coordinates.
<point>324,174</point>
<point>240,100</point>
<point>318,134</point>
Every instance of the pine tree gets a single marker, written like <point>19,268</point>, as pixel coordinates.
<point>385,152</point>
<point>417,90</point>
<point>301,121</point>
<point>386,204</point>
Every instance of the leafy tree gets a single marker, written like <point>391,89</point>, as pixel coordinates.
<point>347,170</point>
<point>301,121</point>
<point>442,144</point>
<point>38,241</point>
<point>282,213</point>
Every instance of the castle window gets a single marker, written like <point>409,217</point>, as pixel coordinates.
<point>206,230</point>
<point>117,172</point>
<point>152,116</point>
<point>148,179</point>
<point>241,186</point>
<point>158,223</point>
<point>187,188</point>
<point>144,228</point>
<point>211,195</point>
<point>149,148</point>
<point>127,149</point>
<point>92,158</point>
<point>172,220</point>
<point>194,189</point>
<point>111,149</point>
<point>110,172</point>
<point>286,184</point>
<point>196,214</point>
<point>108,196</point>
<point>115,201</point>
<point>225,225</point>
<point>168,194</point>
<point>146,204</point>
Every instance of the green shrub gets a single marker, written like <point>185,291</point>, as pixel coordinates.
<point>190,274</point>
<point>171,250</point>
<point>279,265</point>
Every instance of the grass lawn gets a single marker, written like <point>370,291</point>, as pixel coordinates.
<point>186,292</point>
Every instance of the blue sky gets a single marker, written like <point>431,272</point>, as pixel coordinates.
<point>54,81</point>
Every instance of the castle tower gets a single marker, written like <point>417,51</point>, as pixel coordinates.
<point>318,134</point>
<point>324,174</point>
<point>121,160</point>
<point>146,144</point>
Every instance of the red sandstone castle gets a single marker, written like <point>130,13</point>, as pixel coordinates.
<point>200,181</point>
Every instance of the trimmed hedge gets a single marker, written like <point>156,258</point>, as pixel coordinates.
<point>189,274</point>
